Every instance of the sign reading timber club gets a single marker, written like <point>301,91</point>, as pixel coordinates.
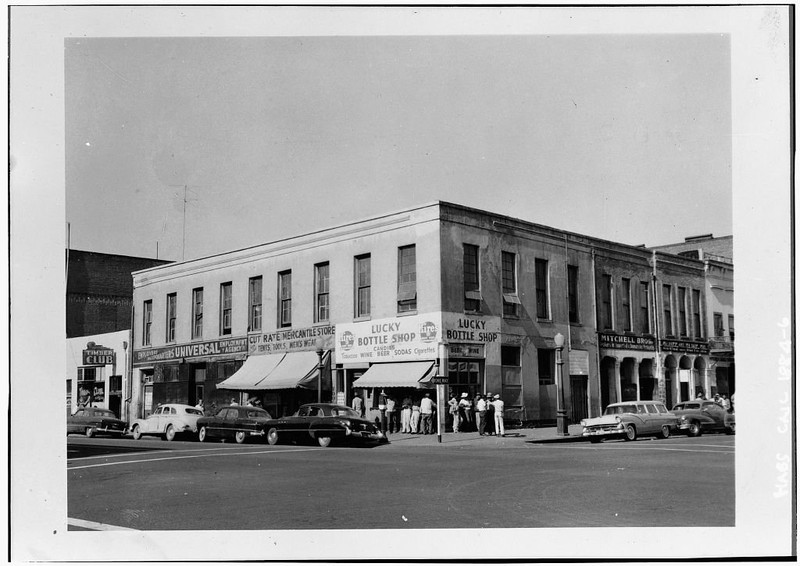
<point>401,339</point>
<point>99,356</point>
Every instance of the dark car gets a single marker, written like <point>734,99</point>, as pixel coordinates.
<point>93,420</point>
<point>323,422</point>
<point>237,422</point>
<point>699,416</point>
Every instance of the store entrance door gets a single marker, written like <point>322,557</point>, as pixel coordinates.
<point>578,386</point>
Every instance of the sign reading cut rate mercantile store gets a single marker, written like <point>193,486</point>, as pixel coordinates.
<point>291,340</point>
<point>400,339</point>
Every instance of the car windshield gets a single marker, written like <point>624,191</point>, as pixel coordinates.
<point>258,414</point>
<point>102,413</point>
<point>344,412</point>
<point>193,411</point>
<point>620,409</point>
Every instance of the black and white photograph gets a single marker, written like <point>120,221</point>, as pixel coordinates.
<point>401,283</point>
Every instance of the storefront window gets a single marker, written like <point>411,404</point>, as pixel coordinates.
<point>464,377</point>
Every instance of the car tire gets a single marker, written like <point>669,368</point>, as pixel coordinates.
<point>136,433</point>
<point>324,441</point>
<point>240,436</point>
<point>89,432</point>
<point>595,439</point>
<point>730,429</point>
<point>272,436</point>
<point>201,434</point>
<point>630,432</point>
<point>665,431</point>
<point>169,434</point>
<point>695,429</point>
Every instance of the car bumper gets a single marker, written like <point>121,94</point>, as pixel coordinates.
<point>108,430</point>
<point>603,432</point>
<point>365,434</point>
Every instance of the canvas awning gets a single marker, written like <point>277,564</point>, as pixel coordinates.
<point>253,371</point>
<point>297,369</point>
<point>396,374</point>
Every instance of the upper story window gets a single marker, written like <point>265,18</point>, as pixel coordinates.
<point>254,304</point>
<point>605,317</point>
<point>683,317</point>
<point>719,328</point>
<point>627,323</point>
<point>147,319</point>
<point>472,282</point>
<point>510,297</point>
<point>197,313</point>
<point>172,315</point>
<point>572,291</point>
<point>510,356</point>
<point>322,306</point>
<point>644,307</point>
<point>363,286</point>
<point>667,298</point>
<point>542,292</point>
<point>225,308</point>
<point>284,299</point>
<point>730,326</point>
<point>697,327</point>
<point>407,278</point>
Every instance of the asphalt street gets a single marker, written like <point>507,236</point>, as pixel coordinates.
<point>183,485</point>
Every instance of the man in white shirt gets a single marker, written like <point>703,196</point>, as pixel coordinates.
<point>426,408</point>
<point>498,415</point>
<point>480,407</point>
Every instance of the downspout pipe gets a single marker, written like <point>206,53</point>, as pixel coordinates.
<point>660,378</point>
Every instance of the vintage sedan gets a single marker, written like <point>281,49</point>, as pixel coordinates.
<point>325,423</point>
<point>236,421</point>
<point>93,420</point>
<point>699,416</point>
<point>168,421</point>
<point>631,419</point>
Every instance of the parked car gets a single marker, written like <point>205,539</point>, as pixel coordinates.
<point>699,416</point>
<point>323,422</point>
<point>168,421</point>
<point>631,419</point>
<point>237,422</point>
<point>93,420</point>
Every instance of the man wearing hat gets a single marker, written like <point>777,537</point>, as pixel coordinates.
<point>498,415</point>
<point>465,412</point>
<point>480,413</point>
<point>489,414</point>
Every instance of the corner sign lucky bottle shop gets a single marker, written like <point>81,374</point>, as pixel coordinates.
<point>411,338</point>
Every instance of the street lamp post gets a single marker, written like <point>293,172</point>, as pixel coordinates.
<point>319,343</point>
<point>561,412</point>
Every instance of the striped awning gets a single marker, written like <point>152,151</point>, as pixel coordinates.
<point>396,374</point>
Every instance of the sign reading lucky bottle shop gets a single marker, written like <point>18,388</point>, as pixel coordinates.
<point>401,339</point>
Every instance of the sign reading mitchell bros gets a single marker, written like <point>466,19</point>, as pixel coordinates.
<point>408,338</point>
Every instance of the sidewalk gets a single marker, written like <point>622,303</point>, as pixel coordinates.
<point>513,436</point>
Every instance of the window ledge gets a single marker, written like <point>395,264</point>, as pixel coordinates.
<point>407,313</point>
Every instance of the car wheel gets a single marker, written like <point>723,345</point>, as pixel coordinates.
<point>630,432</point>
<point>136,433</point>
<point>694,429</point>
<point>89,432</point>
<point>324,441</point>
<point>665,431</point>
<point>240,436</point>
<point>730,429</point>
<point>170,433</point>
<point>201,434</point>
<point>595,439</point>
<point>272,436</point>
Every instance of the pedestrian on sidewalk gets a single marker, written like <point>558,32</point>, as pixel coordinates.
<point>489,414</point>
<point>498,415</point>
<point>358,405</point>
<point>405,416</point>
<point>391,414</point>
<point>426,408</point>
<point>465,412</point>
<point>452,410</point>
<point>480,413</point>
<point>415,417</point>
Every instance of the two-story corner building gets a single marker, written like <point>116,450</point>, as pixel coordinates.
<point>387,303</point>
<point>716,254</point>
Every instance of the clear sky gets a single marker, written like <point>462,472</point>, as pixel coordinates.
<point>623,137</point>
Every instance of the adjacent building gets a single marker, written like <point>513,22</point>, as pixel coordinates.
<point>435,293</point>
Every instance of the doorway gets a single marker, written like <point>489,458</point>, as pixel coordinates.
<point>579,398</point>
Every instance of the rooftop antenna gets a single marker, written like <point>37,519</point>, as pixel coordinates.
<point>185,200</point>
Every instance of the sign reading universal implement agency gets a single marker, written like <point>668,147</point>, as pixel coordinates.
<point>194,350</point>
<point>400,339</point>
<point>625,342</point>
<point>684,346</point>
<point>291,340</point>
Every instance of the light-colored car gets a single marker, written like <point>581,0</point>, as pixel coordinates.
<point>699,416</point>
<point>631,419</point>
<point>168,421</point>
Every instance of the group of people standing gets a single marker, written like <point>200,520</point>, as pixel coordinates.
<point>484,413</point>
<point>412,416</point>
